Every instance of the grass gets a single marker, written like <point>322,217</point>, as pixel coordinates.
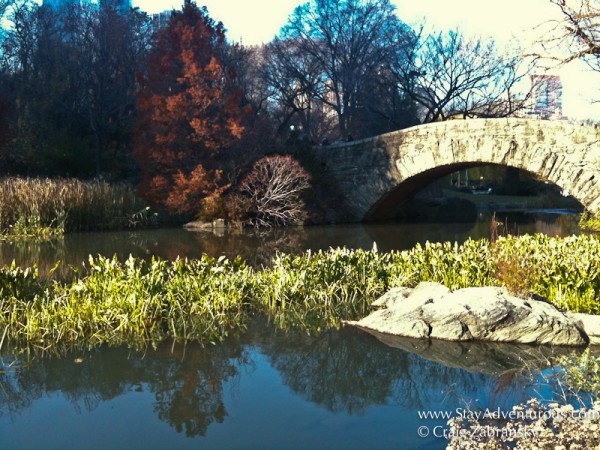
<point>37,207</point>
<point>137,303</point>
<point>589,222</point>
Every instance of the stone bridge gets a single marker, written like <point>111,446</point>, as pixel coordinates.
<point>376,175</point>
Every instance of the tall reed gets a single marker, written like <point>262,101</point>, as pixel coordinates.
<point>41,206</point>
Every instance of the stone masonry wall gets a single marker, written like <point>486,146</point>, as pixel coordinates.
<point>375,174</point>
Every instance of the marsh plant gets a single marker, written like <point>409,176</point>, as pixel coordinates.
<point>49,207</point>
<point>589,222</point>
<point>136,302</point>
<point>566,271</point>
<point>132,303</point>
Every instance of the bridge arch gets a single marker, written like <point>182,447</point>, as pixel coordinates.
<point>376,174</point>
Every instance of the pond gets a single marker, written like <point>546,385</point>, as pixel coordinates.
<point>264,389</point>
<point>259,247</point>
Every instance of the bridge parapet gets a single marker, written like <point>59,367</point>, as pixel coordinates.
<point>376,174</point>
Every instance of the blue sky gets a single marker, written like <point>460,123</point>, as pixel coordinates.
<point>257,21</point>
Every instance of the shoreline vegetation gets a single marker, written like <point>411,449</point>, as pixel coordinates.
<point>48,208</point>
<point>589,222</point>
<point>139,303</point>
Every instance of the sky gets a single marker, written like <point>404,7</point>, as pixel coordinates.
<point>258,21</point>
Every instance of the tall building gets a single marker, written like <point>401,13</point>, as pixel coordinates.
<point>120,5</point>
<point>161,20</point>
<point>60,4</point>
<point>547,96</point>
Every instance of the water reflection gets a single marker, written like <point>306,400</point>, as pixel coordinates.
<point>492,358</point>
<point>187,383</point>
<point>258,248</point>
<point>345,371</point>
<point>192,389</point>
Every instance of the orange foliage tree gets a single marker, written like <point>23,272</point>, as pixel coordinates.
<point>190,115</point>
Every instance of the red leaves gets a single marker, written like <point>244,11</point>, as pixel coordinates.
<point>189,114</point>
<point>190,192</point>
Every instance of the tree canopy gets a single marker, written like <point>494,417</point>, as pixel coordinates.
<point>190,114</point>
<point>331,50</point>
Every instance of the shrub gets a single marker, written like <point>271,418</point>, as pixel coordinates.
<point>589,222</point>
<point>272,192</point>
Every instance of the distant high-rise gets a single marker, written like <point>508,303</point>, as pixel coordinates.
<point>119,5</point>
<point>59,4</point>
<point>547,96</point>
<point>161,20</point>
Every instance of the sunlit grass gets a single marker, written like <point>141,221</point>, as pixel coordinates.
<point>138,303</point>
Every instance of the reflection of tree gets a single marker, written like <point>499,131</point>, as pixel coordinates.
<point>187,383</point>
<point>349,371</point>
<point>255,247</point>
<point>189,390</point>
<point>343,371</point>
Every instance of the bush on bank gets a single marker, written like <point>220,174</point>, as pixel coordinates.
<point>137,302</point>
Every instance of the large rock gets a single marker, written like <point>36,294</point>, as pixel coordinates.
<point>482,314</point>
<point>590,324</point>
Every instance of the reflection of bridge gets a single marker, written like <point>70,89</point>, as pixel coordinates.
<point>376,174</point>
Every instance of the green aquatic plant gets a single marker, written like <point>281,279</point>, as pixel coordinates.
<point>132,303</point>
<point>566,271</point>
<point>589,222</point>
<point>136,302</point>
<point>319,289</point>
<point>314,290</point>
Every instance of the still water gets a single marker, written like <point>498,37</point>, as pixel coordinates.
<point>259,247</point>
<point>342,389</point>
<point>264,390</point>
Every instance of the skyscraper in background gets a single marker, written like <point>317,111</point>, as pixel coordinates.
<point>119,5</point>
<point>59,4</point>
<point>161,20</point>
<point>547,96</point>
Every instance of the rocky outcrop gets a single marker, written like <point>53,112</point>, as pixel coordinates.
<point>199,225</point>
<point>590,324</point>
<point>432,311</point>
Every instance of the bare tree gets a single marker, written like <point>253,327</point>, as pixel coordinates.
<point>273,192</point>
<point>4,6</point>
<point>454,76</point>
<point>295,78</point>
<point>335,46</point>
<point>248,63</point>
<point>73,71</point>
<point>575,36</point>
